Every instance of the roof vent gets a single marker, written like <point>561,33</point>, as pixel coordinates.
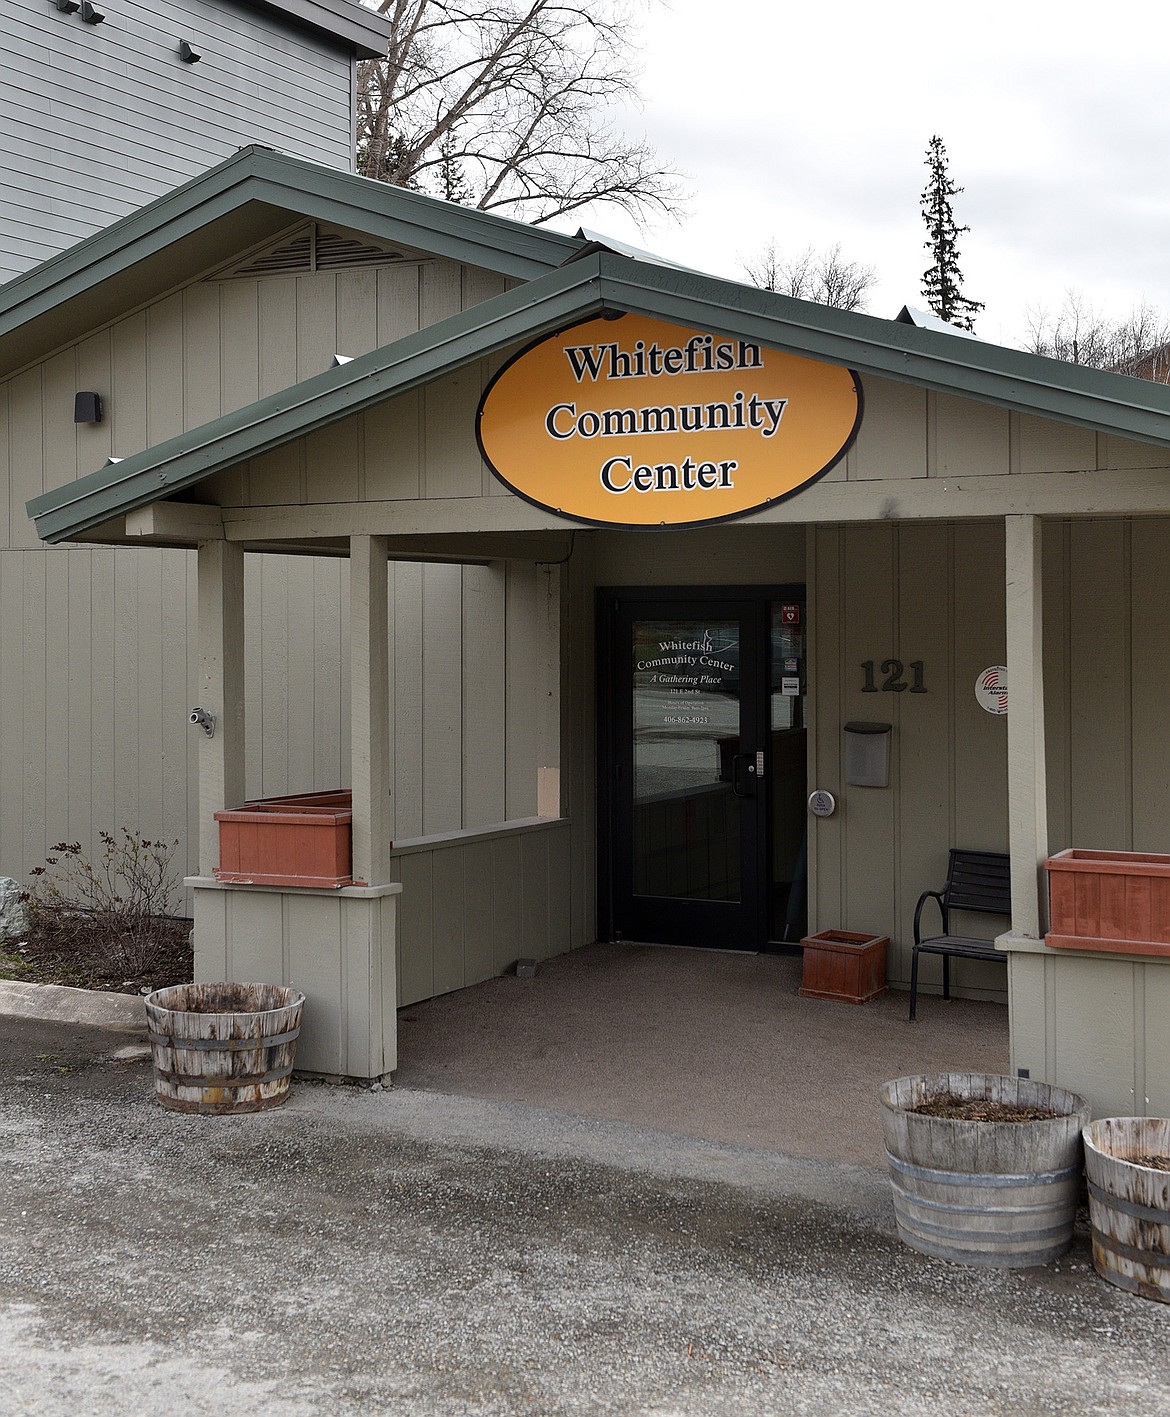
<point>315,249</point>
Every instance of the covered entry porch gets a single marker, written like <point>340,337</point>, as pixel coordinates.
<point>930,541</point>
<point>700,1043</point>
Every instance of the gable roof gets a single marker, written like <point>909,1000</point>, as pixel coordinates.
<point>605,282</point>
<point>928,320</point>
<point>232,208</point>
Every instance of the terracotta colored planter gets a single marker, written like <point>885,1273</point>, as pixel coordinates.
<point>1117,901</point>
<point>844,965</point>
<point>302,840</point>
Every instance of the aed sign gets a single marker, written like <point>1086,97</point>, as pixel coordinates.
<point>634,422</point>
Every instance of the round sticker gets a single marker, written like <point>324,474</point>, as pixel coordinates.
<point>991,691</point>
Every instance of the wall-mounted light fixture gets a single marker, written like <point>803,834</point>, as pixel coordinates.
<point>68,7</point>
<point>91,14</point>
<point>188,53</point>
<point>87,408</point>
<point>340,359</point>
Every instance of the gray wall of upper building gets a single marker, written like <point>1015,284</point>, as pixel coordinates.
<point>96,120</point>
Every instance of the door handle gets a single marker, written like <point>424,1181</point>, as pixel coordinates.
<point>748,762</point>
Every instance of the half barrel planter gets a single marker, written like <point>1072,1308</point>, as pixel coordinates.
<point>1129,1204</point>
<point>992,1194</point>
<point>1114,901</point>
<point>223,1048</point>
<point>304,840</point>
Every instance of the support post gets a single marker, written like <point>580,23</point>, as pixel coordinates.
<point>221,688</point>
<point>373,823</point>
<point>1027,786</point>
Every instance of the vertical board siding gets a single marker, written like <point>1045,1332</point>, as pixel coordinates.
<point>471,906</point>
<point>484,700</point>
<point>93,727</point>
<point>442,707</point>
<point>1099,684</point>
<point>932,593</point>
<point>1149,614</point>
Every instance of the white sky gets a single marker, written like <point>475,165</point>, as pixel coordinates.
<point>807,124</point>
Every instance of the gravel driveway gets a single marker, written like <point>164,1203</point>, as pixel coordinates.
<point>410,1253</point>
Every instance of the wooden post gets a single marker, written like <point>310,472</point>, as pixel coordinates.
<point>1027,786</point>
<point>373,823</point>
<point>221,688</point>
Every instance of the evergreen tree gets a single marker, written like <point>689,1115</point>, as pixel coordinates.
<point>453,184</point>
<point>942,283</point>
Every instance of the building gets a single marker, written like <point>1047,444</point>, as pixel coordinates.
<point>109,105</point>
<point>104,113</point>
<point>947,508</point>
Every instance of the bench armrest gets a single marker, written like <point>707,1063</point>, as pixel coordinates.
<point>942,910</point>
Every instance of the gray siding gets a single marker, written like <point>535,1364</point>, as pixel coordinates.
<point>98,120</point>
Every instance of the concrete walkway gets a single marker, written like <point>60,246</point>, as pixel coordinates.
<point>701,1042</point>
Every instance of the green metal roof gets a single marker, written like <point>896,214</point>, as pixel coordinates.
<point>1113,403</point>
<point>254,195</point>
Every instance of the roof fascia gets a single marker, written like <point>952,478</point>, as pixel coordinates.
<point>366,33</point>
<point>1106,402</point>
<point>558,299</point>
<point>285,184</point>
<point>1010,378</point>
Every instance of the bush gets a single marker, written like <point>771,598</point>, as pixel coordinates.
<point>118,911</point>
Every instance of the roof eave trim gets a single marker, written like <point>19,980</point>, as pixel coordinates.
<point>305,189</point>
<point>365,32</point>
<point>438,349</point>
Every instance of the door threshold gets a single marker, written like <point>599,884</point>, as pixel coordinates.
<point>708,949</point>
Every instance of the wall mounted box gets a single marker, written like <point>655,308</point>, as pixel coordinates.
<point>844,965</point>
<point>1115,901</point>
<point>303,840</point>
<point>867,754</point>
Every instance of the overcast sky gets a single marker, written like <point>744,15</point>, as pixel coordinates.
<point>808,125</point>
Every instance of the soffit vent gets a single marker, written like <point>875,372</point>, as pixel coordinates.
<point>317,250</point>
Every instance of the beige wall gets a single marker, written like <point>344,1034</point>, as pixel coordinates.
<point>93,730</point>
<point>935,593</point>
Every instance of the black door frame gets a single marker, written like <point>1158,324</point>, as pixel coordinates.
<point>609,600</point>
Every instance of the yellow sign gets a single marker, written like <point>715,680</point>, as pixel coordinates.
<point>634,422</point>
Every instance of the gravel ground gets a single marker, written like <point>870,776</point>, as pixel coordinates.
<point>412,1253</point>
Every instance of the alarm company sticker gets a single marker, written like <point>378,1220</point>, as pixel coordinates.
<point>991,689</point>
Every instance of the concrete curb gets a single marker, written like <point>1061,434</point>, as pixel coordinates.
<point>55,1002</point>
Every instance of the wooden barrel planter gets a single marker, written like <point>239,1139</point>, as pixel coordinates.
<point>1129,1204</point>
<point>223,1048</point>
<point>1000,1194</point>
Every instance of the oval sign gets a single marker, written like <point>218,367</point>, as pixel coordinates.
<point>635,422</point>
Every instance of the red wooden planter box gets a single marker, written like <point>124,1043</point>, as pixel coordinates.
<point>844,965</point>
<point>303,840</point>
<point>1109,900</point>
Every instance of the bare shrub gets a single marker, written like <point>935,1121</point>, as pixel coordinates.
<point>119,909</point>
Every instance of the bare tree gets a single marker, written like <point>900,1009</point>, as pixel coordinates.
<point>824,277</point>
<point>1080,334</point>
<point>514,97</point>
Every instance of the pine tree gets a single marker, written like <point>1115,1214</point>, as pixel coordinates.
<point>453,184</point>
<point>942,283</point>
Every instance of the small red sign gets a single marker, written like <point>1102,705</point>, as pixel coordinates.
<point>790,614</point>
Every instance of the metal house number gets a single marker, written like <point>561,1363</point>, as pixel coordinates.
<point>893,682</point>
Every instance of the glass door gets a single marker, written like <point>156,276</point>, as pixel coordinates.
<point>688,791</point>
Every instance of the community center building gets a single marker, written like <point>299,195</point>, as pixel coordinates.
<point>653,607</point>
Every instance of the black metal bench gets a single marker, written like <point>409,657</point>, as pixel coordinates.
<point>976,880</point>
